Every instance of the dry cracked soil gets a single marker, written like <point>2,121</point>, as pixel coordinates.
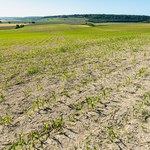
<point>106,108</point>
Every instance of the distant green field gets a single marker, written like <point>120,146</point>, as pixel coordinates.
<point>104,30</point>
<point>69,20</point>
<point>64,20</point>
<point>68,36</point>
<point>78,82</point>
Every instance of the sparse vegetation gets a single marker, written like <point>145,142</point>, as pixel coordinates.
<point>75,86</point>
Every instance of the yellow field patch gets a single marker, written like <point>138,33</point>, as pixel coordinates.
<point>7,25</point>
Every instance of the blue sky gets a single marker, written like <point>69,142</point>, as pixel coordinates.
<point>61,7</point>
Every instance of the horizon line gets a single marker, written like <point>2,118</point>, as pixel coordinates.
<point>72,15</point>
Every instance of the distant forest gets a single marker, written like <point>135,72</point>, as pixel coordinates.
<point>98,18</point>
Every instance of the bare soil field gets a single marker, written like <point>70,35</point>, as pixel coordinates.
<point>96,97</point>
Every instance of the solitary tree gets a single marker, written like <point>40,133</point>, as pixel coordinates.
<point>0,21</point>
<point>17,26</point>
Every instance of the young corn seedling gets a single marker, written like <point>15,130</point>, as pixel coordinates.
<point>19,81</point>
<point>88,148</point>
<point>5,84</point>
<point>118,85</point>
<point>21,142</point>
<point>32,137</point>
<point>46,127</point>
<point>90,101</point>
<point>134,61</point>
<point>2,97</point>
<point>58,123</point>
<point>38,103</point>
<point>54,96</point>
<point>146,99</point>
<point>26,92</point>
<point>19,145</point>
<point>84,82</point>
<point>79,106</point>
<point>145,114</point>
<point>65,92</point>
<point>127,81</point>
<point>141,72</point>
<point>32,69</point>
<point>5,120</point>
<point>145,54</point>
<point>111,133</point>
<point>71,118</point>
<point>105,93</point>
<point>14,146</point>
<point>38,86</point>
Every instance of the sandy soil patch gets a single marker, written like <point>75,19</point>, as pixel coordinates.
<point>7,25</point>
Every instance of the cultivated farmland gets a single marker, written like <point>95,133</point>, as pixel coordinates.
<point>75,87</point>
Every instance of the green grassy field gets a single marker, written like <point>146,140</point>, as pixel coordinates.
<point>75,87</point>
<point>69,20</point>
<point>39,20</point>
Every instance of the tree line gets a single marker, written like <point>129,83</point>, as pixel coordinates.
<point>98,18</point>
